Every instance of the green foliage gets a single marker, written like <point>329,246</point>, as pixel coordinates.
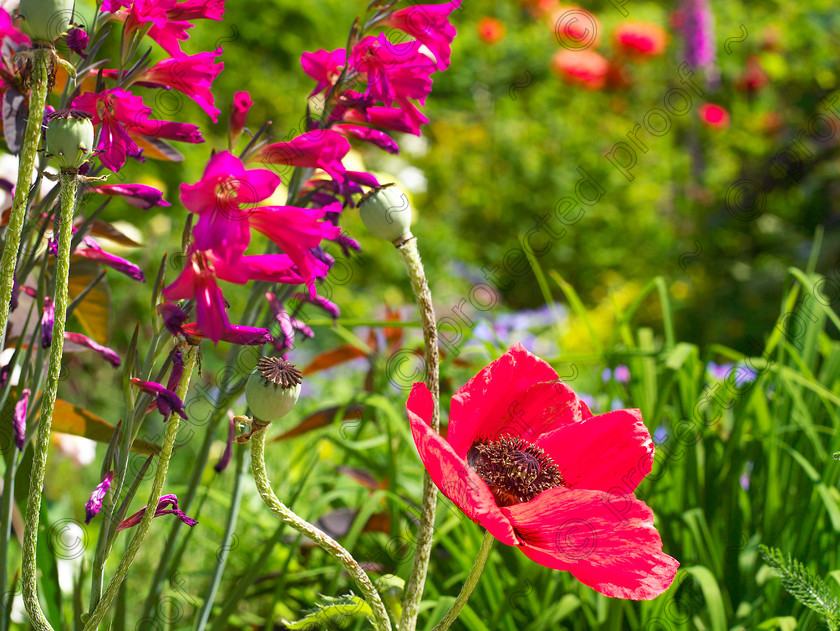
<point>804,584</point>
<point>333,613</point>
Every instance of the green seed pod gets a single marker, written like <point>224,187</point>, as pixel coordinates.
<point>46,20</point>
<point>386,212</point>
<point>273,389</point>
<point>70,138</point>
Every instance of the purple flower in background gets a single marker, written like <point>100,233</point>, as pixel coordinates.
<point>698,30</point>
<point>606,375</point>
<point>166,500</point>
<point>588,399</point>
<point>47,320</point>
<point>622,374</point>
<point>93,252</point>
<point>616,404</point>
<point>106,353</point>
<point>224,461</point>
<point>139,195</point>
<point>77,41</point>
<point>660,435</point>
<point>173,317</point>
<point>718,372</point>
<point>321,302</point>
<point>177,370</point>
<point>745,476</point>
<point>94,504</point>
<point>19,419</point>
<point>167,401</point>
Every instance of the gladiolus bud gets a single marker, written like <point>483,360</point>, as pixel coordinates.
<point>386,212</point>
<point>46,20</point>
<point>273,389</point>
<point>70,138</point>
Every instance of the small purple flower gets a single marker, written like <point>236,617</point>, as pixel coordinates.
<point>19,419</point>
<point>286,340</point>
<point>745,476</point>
<point>47,320</point>
<point>177,370</point>
<point>94,504</point>
<point>622,374</point>
<point>166,500</point>
<point>321,302</point>
<point>616,404</point>
<point>745,375</point>
<point>660,435</point>
<point>301,327</point>
<point>718,372</point>
<point>106,353</point>
<point>167,401</point>
<point>77,41</point>
<point>138,195</point>
<point>224,461</point>
<point>348,243</point>
<point>588,399</point>
<point>173,317</point>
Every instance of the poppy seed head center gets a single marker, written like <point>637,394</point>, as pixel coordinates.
<point>514,469</point>
<point>279,372</point>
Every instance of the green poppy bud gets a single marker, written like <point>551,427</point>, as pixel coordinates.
<point>273,389</point>
<point>386,212</point>
<point>46,20</point>
<point>70,138</point>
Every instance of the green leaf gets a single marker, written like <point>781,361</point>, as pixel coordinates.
<point>334,612</point>
<point>391,589</point>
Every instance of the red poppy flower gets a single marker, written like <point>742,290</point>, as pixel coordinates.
<point>525,458</point>
<point>585,68</point>
<point>713,115</point>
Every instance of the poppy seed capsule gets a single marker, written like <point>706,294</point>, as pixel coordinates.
<point>386,212</point>
<point>70,138</point>
<point>273,389</point>
<point>46,20</point>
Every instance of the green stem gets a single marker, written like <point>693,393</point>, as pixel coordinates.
<point>469,585</point>
<point>417,579</point>
<point>29,150</point>
<point>69,186</point>
<point>327,543</point>
<point>190,353</point>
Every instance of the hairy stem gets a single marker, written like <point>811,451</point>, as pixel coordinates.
<point>29,150</point>
<point>189,354</point>
<point>469,584</point>
<point>327,543</point>
<point>417,580</point>
<point>69,186</point>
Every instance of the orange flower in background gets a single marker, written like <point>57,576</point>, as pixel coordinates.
<point>585,68</point>
<point>491,30</point>
<point>640,39</point>
<point>575,28</point>
<point>753,78</point>
<point>713,115</point>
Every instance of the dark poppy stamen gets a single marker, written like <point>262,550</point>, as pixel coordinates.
<point>279,372</point>
<point>514,469</point>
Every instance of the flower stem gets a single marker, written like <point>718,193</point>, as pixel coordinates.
<point>28,152</point>
<point>189,354</point>
<point>327,543</point>
<point>469,584</point>
<point>417,579</point>
<point>69,186</point>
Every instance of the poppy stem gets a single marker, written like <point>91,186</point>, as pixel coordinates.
<point>69,187</point>
<point>419,569</point>
<point>327,543</point>
<point>189,354</point>
<point>469,585</point>
<point>39,80</point>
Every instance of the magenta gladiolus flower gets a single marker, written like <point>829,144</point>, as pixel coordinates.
<point>198,282</point>
<point>138,195</point>
<point>324,66</point>
<point>394,72</point>
<point>166,401</point>
<point>112,109</point>
<point>217,199</point>
<point>93,252</point>
<point>322,303</point>
<point>19,418</point>
<point>8,31</point>
<point>286,340</point>
<point>192,75</point>
<point>47,320</point>
<point>368,134</point>
<point>271,268</point>
<point>173,317</point>
<point>166,500</point>
<point>235,334</point>
<point>94,504</point>
<point>106,353</point>
<point>429,24</point>
<point>406,120</point>
<point>167,130</point>
<point>238,115</point>
<point>322,149</point>
<point>177,370</point>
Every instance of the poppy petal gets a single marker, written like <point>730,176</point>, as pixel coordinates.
<point>500,399</point>
<point>612,452</point>
<point>606,541</point>
<point>451,474</point>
